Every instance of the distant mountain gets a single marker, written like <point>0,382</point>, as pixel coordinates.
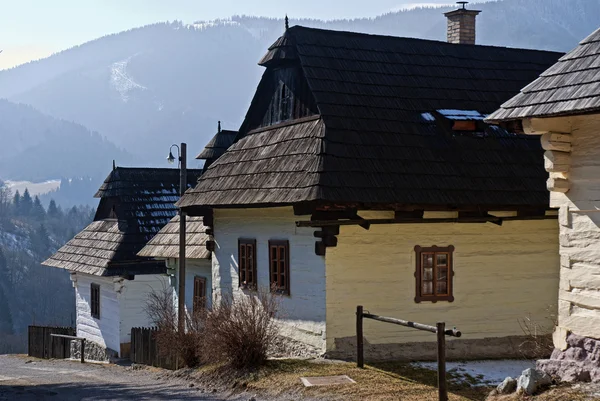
<point>38,147</point>
<point>149,87</point>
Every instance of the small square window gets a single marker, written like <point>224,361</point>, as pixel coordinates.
<point>434,273</point>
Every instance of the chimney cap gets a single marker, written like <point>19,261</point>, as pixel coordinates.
<point>463,3</point>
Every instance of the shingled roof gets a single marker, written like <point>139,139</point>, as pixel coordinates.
<point>571,86</point>
<point>379,135</point>
<point>165,244</point>
<point>135,204</point>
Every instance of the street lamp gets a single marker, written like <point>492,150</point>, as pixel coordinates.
<point>182,156</point>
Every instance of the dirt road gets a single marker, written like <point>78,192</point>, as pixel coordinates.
<point>23,378</point>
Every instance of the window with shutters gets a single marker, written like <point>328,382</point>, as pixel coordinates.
<point>199,300</point>
<point>247,263</point>
<point>434,273</point>
<point>279,266</point>
<point>95,300</point>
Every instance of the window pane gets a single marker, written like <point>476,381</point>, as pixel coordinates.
<point>427,288</point>
<point>274,267</point>
<point>282,252</point>
<point>428,274</point>
<point>428,260</point>
<point>442,259</point>
<point>250,250</point>
<point>242,250</point>
<point>442,288</point>
<point>273,253</point>
<point>442,274</point>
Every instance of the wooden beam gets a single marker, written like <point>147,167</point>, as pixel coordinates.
<point>556,141</point>
<point>490,219</point>
<point>557,162</point>
<point>556,184</point>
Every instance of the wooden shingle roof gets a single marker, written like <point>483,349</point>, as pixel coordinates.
<point>217,145</point>
<point>379,137</point>
<point>165,244</point>
<point>571,86</point>
<point>135,204</point>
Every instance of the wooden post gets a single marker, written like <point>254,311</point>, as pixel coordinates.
<point>360,361</point>
<point>83,350</point>
<point>441,357</point>
<point>182,232</point>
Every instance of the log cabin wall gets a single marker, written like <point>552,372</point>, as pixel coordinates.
<point>503,274</point>
<point>303,311</point>
<point>577,198</point>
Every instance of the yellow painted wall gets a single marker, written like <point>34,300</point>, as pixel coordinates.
<point>502,274</point>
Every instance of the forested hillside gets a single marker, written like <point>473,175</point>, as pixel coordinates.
<point>149,87</point>
<point>31,293</point>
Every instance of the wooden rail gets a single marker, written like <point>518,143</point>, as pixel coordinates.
<point>73,338</point>
<point>439,329</point>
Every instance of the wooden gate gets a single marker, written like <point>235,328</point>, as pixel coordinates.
<point>40,344</point>
<point>144,349</point>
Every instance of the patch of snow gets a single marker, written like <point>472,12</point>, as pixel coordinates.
<point>484,372</point>
<point>35,188</point>
<point>462,114</point>
<point>121,81</point>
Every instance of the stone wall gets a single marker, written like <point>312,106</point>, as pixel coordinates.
<point>579,362</point>
<point>93,352</point>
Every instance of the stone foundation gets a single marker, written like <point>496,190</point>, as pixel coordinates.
<point>512,347</point>
<point>579,362</point>
<point>93,352</point>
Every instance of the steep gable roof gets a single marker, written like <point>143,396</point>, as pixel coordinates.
<point>142,201</point>
<point>571,86</point>
<point>379,137</point>
<point>165,244</point>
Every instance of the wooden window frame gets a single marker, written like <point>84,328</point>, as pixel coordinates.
<point>277,286</point>
<point>419,296</point>
<point>95,303</point>
<point>199,300</point>
<point>243,245</point>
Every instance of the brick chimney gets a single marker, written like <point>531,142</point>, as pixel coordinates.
<point>461,25</point>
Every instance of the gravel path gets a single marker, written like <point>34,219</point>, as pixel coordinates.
<point>23,378</point>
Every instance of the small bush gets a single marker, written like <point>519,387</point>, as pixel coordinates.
<point>240,331</point>
<point>170,342</point>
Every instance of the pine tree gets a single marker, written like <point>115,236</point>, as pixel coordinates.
<point>38,212</point>
<point>6,321</point>
<point>53,210</point>
<point>40,241</point>
<point>26,203</point>
<point>17,203</point>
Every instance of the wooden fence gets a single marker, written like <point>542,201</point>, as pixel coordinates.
<point>144,350</point>
<point>41,345</point>
<point>439,329</point>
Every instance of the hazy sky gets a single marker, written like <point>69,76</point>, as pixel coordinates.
<point>31,29</point>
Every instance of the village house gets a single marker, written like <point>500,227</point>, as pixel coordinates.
<point>112,283</point>
<point>165,244</point>
<point>364,174</point>
<point>563,106</point>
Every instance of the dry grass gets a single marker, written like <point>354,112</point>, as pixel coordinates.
<point>280,379</point>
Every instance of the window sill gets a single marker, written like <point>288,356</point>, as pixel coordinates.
<point>446,298</point>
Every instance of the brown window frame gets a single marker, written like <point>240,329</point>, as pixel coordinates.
<point>243,259</point>
<point>420,252</point>
<point>199,294</point>
<point>95,300</point>
<point>278,284</point>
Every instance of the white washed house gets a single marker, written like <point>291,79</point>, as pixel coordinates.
<point>563,106</point>
<point>111,282</point>
<point>364,174</point>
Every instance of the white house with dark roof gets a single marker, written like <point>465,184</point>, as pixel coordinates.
<point>111,282</point>
<point>364,174</point>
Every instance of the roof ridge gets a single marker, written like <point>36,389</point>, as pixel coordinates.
<point>392,37</point>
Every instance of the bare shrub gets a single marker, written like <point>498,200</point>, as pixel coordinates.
<point>240,331</point>
<point>170,342</point>
<point>539,342</point>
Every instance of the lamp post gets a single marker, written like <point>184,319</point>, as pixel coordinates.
<point>182,187</point>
